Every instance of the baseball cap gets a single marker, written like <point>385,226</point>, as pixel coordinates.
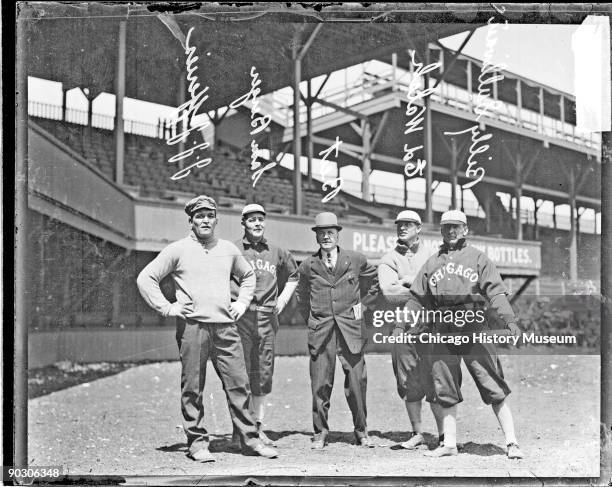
<point>408,216</point>
<point>198,203</point>
<point>454,217</point>
<point>253,208</point>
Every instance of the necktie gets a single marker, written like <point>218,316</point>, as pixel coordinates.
<point>329,263</point>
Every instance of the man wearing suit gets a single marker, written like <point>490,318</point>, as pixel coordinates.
<point>331,285</point>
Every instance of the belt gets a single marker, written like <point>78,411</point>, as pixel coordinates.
<point>470,305</point>
<point>256,307</point>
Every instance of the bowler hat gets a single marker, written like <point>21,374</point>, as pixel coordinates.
<point>326,220</point>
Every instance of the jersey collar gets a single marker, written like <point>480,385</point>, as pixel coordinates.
<point>403,248</point>
<point>248,244</point>
<point>458,246</point>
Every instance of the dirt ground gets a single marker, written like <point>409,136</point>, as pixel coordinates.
<point>129,424</point>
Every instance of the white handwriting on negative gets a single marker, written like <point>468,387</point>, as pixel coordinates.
<point>335,183</point>
<point>259,123</point>
<point>478,173</point>
<point>483,104</point>
<point>415,122</point>
<point>185,113</point>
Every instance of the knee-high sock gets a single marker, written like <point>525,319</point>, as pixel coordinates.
<point>504,416</point>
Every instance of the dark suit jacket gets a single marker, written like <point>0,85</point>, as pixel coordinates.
<point>324,298</point>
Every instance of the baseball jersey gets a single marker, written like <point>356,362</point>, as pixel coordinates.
<point>272,266</point>
<point>401,262</point>
<point>201,276</point>
<point>459,276</point>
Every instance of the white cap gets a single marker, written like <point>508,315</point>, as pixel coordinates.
<point>454,217</point>
<point>253,208</point>
<point>408,216</point>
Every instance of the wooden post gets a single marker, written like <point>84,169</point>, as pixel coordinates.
<point>309,142</point>
<point>297,141</point>
<point>519,102</point>
<point>573,249</point>
<point>453,173</point>
<point>119,96</point>
<point>428,149</point>
<point>366,166</point>
<point>64,102</point>
<point>469,85</point>
<point>519,193</point>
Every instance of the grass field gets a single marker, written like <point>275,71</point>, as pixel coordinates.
<point>129,424</point>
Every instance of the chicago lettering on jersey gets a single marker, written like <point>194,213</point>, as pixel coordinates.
<point>263,265</point>
<point>450,269</point>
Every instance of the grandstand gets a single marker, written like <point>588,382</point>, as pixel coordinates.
<point>102,193</point>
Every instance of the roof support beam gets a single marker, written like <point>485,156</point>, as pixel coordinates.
<point>119,96</point>
<point>428,149</point>
<point>339,108</point>
<point>297,139</point>
<point>453,60</point>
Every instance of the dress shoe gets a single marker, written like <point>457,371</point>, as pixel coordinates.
<point>263,437</point>
<point>364,441</point>
<point>318,442</point>
<point>202,455</point>
<point>264,451</point>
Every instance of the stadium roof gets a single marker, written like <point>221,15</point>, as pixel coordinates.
<point>77,44</point>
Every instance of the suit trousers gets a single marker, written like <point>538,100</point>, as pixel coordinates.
<point>221,342</point>
<point>322,368</point>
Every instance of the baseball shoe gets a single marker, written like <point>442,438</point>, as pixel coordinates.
<point>415,440</point>
<point>364,441</point>
<point>202,455</point>
<point>318,442</point>
<point>514,452</point>
<point>263,451</point>
<point>263,437</point>
<point>442,451</point>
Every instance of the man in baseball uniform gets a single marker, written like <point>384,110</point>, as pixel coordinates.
<point>396,271</point>
<point>201,266</point>
<point>458,281</point>
<point>273,267</point>
<point>331,286</point>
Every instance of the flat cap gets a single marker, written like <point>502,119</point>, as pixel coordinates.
<point>198,203</point>
<point>454,217</point>
<point>253,208</point>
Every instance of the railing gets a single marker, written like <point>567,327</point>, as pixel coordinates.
<point>390,78</point>
<point>416,199</point>
<point>163,129</point>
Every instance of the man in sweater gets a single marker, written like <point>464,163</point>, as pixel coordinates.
<point>396,271</point>
<point>201,266</point>
<point>275,270</point>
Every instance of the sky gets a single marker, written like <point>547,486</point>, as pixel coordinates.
<point>542,53</point>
